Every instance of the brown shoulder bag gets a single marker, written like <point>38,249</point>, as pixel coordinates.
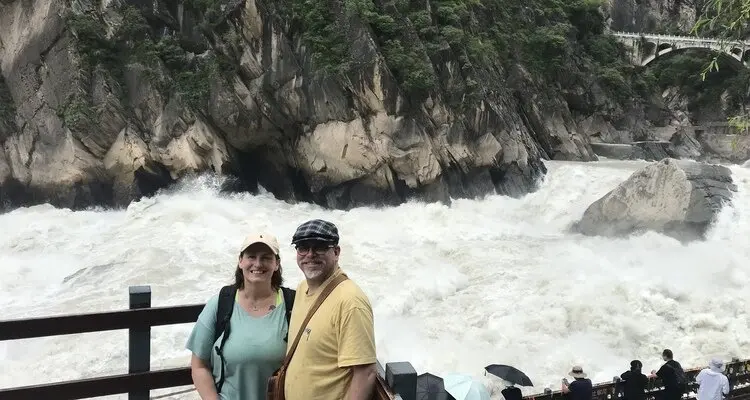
<point>275,387</point>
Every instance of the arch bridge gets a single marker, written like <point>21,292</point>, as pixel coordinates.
<point>645,48</point>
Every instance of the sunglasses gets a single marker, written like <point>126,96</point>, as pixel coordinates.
<point>317,248</point>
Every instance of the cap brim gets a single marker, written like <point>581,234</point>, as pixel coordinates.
<point>315,238</point>
<point>270,247</point>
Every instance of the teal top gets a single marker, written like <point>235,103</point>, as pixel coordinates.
<point>254,350</point>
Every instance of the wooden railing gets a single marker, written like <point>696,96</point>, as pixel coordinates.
<point>399,378</point>
<point>140,379</point>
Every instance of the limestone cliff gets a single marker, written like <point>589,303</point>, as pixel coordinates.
<point>103,102</point>
<point>654,16</point>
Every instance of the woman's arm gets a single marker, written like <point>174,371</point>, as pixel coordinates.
<point>200,343</point>
<point>202,379</point>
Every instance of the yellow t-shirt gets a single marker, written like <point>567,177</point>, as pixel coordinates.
<point>341,334</point>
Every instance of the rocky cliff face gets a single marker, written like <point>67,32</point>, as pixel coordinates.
<point>654,16</point>
<point>103,102</point>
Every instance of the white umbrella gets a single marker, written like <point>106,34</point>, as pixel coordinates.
<point>464,387</point>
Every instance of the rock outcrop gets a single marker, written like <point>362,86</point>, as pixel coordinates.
<point>674,197</point>
<point>650,15</point>
<point>687,142</point>
<point>642,150</point>
<point>711,144</point>
<point>107,106</point>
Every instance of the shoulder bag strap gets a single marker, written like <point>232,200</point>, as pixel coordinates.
<point>328,289</point>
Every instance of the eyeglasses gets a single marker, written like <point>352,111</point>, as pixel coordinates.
<point>319,249</point>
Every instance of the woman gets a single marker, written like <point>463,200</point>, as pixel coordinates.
<point>234,363</point>
<point>635,382</point>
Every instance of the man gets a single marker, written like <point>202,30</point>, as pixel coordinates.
<point>511,392</point>
<point>672,376</point>
<point>335,357</point>
<point>581,388</point>
<point>713,384</point>
<point>635,382</point>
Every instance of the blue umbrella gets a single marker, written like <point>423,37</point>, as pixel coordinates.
<point>464,387</point>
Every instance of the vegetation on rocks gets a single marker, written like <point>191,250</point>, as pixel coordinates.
<point>728,20</point>
<point>560,42</point>
<point>684,71</point>
<point>7,110</point>
<point>162,59</point>
<point>563,44</point>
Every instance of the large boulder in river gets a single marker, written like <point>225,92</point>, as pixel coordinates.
<point>676,197</point>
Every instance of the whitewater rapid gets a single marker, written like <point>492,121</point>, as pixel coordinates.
<point>454,288</point>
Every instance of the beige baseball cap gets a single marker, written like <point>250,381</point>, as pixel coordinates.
<point>265,238</point>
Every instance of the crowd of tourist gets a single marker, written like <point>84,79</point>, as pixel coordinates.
<point>712,383</point>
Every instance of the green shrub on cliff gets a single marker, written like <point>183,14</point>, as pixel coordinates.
<point>7,109</point>
<point>133,41</point>
<point>728,20</point>
<point>560,42</point>
<point>684,71</point>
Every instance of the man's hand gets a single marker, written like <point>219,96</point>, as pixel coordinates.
<point>363,382</point>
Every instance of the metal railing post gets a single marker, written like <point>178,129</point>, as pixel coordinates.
<point>139,340</point>
<point>401,377</point>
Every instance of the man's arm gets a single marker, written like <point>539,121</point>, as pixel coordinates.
<point>363,382</point>
<point>357,348</point>
<point>725,386</point>
<point>659,373</point>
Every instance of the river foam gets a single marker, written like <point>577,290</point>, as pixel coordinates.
<point>454,288</point>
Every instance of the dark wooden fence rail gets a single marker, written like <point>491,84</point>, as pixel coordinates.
<point>140,379</point>
<point>400,378</point>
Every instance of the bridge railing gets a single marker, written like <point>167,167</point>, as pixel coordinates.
<point>399,379</point>
<point>677,38</point>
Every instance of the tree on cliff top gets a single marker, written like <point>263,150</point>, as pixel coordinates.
<point>729,20</point>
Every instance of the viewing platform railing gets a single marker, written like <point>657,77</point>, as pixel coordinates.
<point>400,378</point>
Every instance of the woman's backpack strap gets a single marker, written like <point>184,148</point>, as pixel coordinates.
<point>288,303</point>
<point>223,315</point>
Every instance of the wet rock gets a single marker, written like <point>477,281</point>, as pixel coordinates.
<point>676,197</point>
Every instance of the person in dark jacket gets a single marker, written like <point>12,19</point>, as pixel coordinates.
<point>581,388</point>
<point>668,375</point>
<point>634,382</point>
<point>512,393</point>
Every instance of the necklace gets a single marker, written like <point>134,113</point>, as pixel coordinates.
<point>262,302</point>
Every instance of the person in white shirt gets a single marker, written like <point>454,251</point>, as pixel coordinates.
<point>713,384</point>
